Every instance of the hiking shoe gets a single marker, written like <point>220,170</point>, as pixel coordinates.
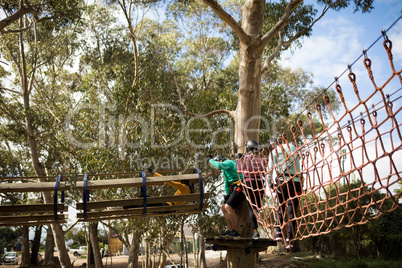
<point>288,244</point>
<point>225,233</point>
<point>278,236</point>
<point>256,236</point>
<point>233,233</point>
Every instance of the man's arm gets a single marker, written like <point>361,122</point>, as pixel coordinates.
<point>225,165</point>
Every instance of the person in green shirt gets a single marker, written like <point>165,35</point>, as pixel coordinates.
<point>288,186</point>
<point>233,190</point>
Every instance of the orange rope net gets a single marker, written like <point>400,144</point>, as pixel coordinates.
<point>346,175</point>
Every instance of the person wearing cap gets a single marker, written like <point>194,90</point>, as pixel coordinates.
<point>253,168</point>
<point>286,164</point>
<point>234,192</point>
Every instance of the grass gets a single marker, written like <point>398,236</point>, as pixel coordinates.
<point>337,263</point>
<point>304,259</point>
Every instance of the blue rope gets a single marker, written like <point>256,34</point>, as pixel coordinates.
<point>201,190</point>
<point>62,192</point>
<point>144,193</point>
<point>85,197</point>
<point>56,189</point>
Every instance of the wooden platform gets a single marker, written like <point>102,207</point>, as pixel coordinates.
<point>155,205</point>
<point>157,211</point>
<point>33,214</point>
<point>31,187</point>
<point>112,209</point>
<point>139,201</point>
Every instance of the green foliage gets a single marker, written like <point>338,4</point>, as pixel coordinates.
<point>363,5</point>
<point>8,238</point>
<point>78,236</point>
<point>386,234</point>
<point>380,237</point>
<point>299,21</point>
<point>344,263</point>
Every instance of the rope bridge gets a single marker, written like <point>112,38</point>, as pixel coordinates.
<point>348,172</point>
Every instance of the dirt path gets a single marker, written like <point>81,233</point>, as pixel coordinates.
<point>214,259</point>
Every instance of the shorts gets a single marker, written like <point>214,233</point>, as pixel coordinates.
<point>236,197</point>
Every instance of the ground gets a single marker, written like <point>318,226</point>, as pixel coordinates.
<point>214,258</point>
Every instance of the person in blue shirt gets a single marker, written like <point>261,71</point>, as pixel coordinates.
<point>288,185</point>
<point>234,192</point>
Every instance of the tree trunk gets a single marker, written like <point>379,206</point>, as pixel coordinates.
<point>93,230</point>
<point>248,111</point>
<point>133,251</point>
<point>25,260</point>
<point>356,241</point>
<point>202,259</point>
<point>49,248</point>
<point>56,228</point>
<point>196,249</point>
<point>36,245</point>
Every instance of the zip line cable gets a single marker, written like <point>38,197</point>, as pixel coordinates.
<point>364,53</point>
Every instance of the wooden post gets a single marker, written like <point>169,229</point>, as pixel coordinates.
<point>243,220</point>
<point>237,258</point>
<point>241,251</point>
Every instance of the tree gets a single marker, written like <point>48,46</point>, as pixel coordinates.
<point>265,30</point>
<point>8,238</point>
<point>32,46</point>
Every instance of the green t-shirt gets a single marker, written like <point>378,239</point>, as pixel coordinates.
<point>229,170</point>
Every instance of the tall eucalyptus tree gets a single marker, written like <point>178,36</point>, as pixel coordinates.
<point>30,44</point>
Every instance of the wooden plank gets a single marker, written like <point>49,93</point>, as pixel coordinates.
<point>139,201</point>
<point>136,216</point>
<point>139,211</point>
<point>32,208</point>
<point>30,218</point>
<point>101,217</point>
<point>32,187</point>
<point>31,223</point>
<point>135,182</point>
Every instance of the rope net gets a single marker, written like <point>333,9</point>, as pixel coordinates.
<point>343,176</point>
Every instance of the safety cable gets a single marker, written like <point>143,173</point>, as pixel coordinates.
<point>383,34</point>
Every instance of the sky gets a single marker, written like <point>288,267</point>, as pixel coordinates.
<point>339,38</point>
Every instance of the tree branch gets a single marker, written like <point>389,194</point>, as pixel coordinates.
<point>283,45</point>
<point>18,14</point>
<point>133,39</point>
<point>271,57</point>
<point>226,17</point>
<point>186,111</point>
<point>7,111</point>
<point>281,23</point>
<point>10,90</point>
<point>297,35</point>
